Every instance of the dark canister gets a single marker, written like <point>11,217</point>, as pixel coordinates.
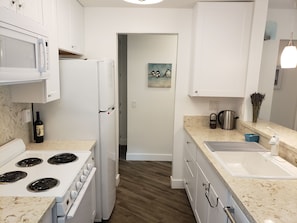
<point>213,121</point>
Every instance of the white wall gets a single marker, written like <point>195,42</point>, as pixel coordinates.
<point>286,20</point>
<point>150,110</point>
<point>101,28</point>
<point>255,53</point>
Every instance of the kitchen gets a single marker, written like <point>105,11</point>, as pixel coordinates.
<point>173,21</point>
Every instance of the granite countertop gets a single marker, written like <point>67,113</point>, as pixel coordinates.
<point>24,209</point>
<point>32,209</point>
<point>262,200</point>
<point>62,145</point>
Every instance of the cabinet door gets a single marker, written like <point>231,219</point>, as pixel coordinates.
<point>70,26</point>
<point>10,4</point>
<point>31,9</point>
<point>63,24</point>
<point>190,172</point>
<point>237,214</point>
<point>216,211</point>
<point>77,24</point>
<point>220,48</point>
<point>201,206</point>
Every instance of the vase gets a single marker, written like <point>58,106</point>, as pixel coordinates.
<point>256,110</point>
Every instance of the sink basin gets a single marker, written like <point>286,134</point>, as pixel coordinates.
<point>234,146</point>
<point>256,165</point>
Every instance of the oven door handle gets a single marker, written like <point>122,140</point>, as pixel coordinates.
<point>81,194</point>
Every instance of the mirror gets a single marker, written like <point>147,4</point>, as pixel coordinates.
<point>279,85</point>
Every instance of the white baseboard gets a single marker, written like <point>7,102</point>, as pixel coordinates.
<point>148,157</point>
<point>117,179</point>
<point>176,183</point>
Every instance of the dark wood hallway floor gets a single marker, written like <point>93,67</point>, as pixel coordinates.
<point>144,195</point>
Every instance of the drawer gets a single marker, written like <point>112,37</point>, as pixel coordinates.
<point>190,163</point>
<point>190,146</point>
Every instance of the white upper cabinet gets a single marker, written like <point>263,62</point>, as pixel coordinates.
<point>28,8</point>
<point>70,26</point>
<point>221,36</point>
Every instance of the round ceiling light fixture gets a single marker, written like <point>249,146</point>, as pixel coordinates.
<point>143,2</point>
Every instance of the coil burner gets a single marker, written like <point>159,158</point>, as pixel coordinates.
<point>43,184</point>
<point>13,176</point>
<point>29,162</point>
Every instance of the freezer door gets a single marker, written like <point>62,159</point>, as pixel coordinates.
<point>108,161</point>
<point>106,84</point>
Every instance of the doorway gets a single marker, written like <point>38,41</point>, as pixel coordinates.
<point>146,112</point>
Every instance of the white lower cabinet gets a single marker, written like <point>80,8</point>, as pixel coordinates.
<point>237,214</point>
<point>190,173</point>
<point>208,196</point>
<point>201,205</point>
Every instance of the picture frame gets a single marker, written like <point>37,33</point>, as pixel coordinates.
<point>159,75</point>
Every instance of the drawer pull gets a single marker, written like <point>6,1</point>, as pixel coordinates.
<point>229,211</point>
<point>210,204</point>
<point>207,187</point>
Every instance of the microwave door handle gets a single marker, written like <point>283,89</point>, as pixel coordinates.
<point>42,56</point>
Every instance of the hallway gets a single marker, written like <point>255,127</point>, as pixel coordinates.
<point>144,195</point>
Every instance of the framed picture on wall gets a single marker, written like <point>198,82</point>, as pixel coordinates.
<point>278,78</point>
<point>159,75</point>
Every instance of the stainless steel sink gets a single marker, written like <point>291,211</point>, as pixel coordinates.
<point>215,146</point>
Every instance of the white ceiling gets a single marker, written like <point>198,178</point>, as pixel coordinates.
<point>121,3</point>
<point>177,3</point>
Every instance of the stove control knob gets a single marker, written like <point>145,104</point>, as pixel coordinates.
<point>73,194</point>
<point>86,172</point>
<point>83,178</point>
<point>78,185</point>
<point>89,166</point>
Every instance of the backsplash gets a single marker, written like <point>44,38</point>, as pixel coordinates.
<point>11,119</point>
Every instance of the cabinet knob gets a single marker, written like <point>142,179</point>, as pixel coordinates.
<point>12,2</point>
<point>196,92</point>
<point>188,142</point>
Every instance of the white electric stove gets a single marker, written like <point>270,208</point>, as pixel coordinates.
<point>54,173</point>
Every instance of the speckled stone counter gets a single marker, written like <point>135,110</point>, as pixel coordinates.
<point>24,209</point>
<point>262,200</point>
<point>62,145</point>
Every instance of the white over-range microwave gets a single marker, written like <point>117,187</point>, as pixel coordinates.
<point>23,49</point>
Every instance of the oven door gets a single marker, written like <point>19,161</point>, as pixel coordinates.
<point>84,207</point>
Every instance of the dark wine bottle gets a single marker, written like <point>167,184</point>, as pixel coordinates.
<point>38,129</point>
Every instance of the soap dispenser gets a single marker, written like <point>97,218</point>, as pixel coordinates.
<point>274,142</point>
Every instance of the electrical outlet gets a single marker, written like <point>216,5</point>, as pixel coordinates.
<point>26,116</point>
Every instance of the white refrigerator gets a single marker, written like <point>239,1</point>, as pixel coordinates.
<point>86,111</point>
